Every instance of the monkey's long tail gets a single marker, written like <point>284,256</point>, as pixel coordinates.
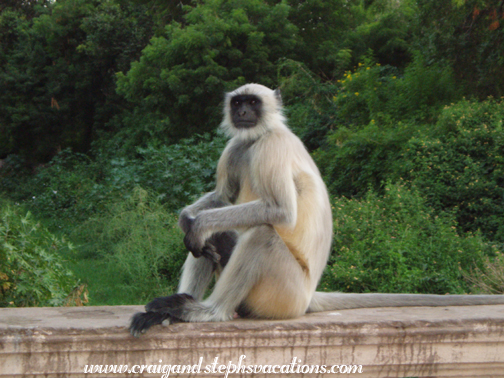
<point>339,301</point>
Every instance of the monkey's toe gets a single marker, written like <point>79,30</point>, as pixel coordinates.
<point>142,321</point>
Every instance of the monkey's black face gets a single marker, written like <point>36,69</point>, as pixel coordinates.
<point>245,111</point>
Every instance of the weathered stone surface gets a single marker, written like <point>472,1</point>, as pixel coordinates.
<point>387,342</point>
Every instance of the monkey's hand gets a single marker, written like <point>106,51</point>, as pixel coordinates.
<point>196,242</point>
<point>191,241</point>
<point>185,221</point>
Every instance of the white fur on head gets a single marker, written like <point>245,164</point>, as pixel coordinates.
<point>272,112</point>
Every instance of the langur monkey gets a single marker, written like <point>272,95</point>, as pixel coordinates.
<point>266,230</point>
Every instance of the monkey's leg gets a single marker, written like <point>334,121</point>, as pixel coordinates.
<point>196,276</point>
<point>197,272</point>
<point>262,274</point>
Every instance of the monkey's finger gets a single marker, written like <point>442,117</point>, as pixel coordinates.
<point>210,253</point>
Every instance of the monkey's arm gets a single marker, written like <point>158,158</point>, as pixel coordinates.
<point>215,199</point>
<point>226,218</point>
<point>277,206</point>
<point>208,201</point>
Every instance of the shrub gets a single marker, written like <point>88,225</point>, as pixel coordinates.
<point>377,112</point>
<point>460,167</point>
<point>221,45</point>
<point>372,93</point>
<point>395,243</point>
<point>178,172</point>
<point>73,187</point>
<point>32,272</point>
<point>308,103</point>
<point>141,244</point>
<point>63,190</point>
<point>354,161</point>
<point>489,279</point>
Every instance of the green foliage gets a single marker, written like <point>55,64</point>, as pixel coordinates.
<point>177,172</point>
<point>72,187</point>
<point>142,246</point>
<point>69,86</point>
<point>386,30</point>
<point>372,93</point>
<point>322,26</point>
<point>353,161</point>
<point>32,272</point>
<point>335,35</point>
<point>460,167</point>
<point>377,112</point>
<point>308,102</point>
<point>489,279</point>
<point>468,34</point>
<point>395,243</point>
<point>456,165</point>
<point>162,11</point>
<point>222,44</point>
<point>58,73</point>
<point>182,171</point>
<point>64,191</point>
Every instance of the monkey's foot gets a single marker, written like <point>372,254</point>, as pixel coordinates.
<point>175,306</point>
<point>142,321</point>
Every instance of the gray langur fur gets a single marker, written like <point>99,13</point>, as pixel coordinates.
<point>266,230</point>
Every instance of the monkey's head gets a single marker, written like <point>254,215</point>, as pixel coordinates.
<point>252,110</point>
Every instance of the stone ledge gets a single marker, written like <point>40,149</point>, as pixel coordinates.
<point>466,341</point>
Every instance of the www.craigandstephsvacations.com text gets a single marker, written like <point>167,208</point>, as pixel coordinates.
<point>295,367</point>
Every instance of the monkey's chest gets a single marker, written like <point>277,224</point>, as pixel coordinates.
<point>240,183</point>
<point>246,193</point>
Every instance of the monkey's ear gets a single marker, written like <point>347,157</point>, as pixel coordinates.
<point>278,96</point>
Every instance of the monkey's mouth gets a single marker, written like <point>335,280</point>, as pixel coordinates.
<point>245,124</point>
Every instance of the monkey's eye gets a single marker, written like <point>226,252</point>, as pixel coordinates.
<point>236,103</point>
<point>253,102</point>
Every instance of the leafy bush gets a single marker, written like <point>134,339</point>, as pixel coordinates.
<point>73,187</point>
<point>456,164</point>
<point>308,103</point>
<point>142,246</point>
<point>184,73</point>
<point>395,243</point>
<point>334,35</point>
<point>354,161</point>
<point>58,72</point>
<point>65,190</point>
<point>32,272</point>
<point>489,279</point>
<point>177,172</point>
<point>467,34</point>
<point>372,93</point>
<point>461,166</point>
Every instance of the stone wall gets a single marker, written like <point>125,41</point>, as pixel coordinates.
<point>387,342</point>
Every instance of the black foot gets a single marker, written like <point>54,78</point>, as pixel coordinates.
<point>142,321</point>
<point>173,305</point>
<point>158,310</point>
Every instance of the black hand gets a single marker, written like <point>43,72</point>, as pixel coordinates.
<point>190,244</point>
<point>185,222</point>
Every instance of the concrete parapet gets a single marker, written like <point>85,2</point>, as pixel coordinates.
<point>387,342</point>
